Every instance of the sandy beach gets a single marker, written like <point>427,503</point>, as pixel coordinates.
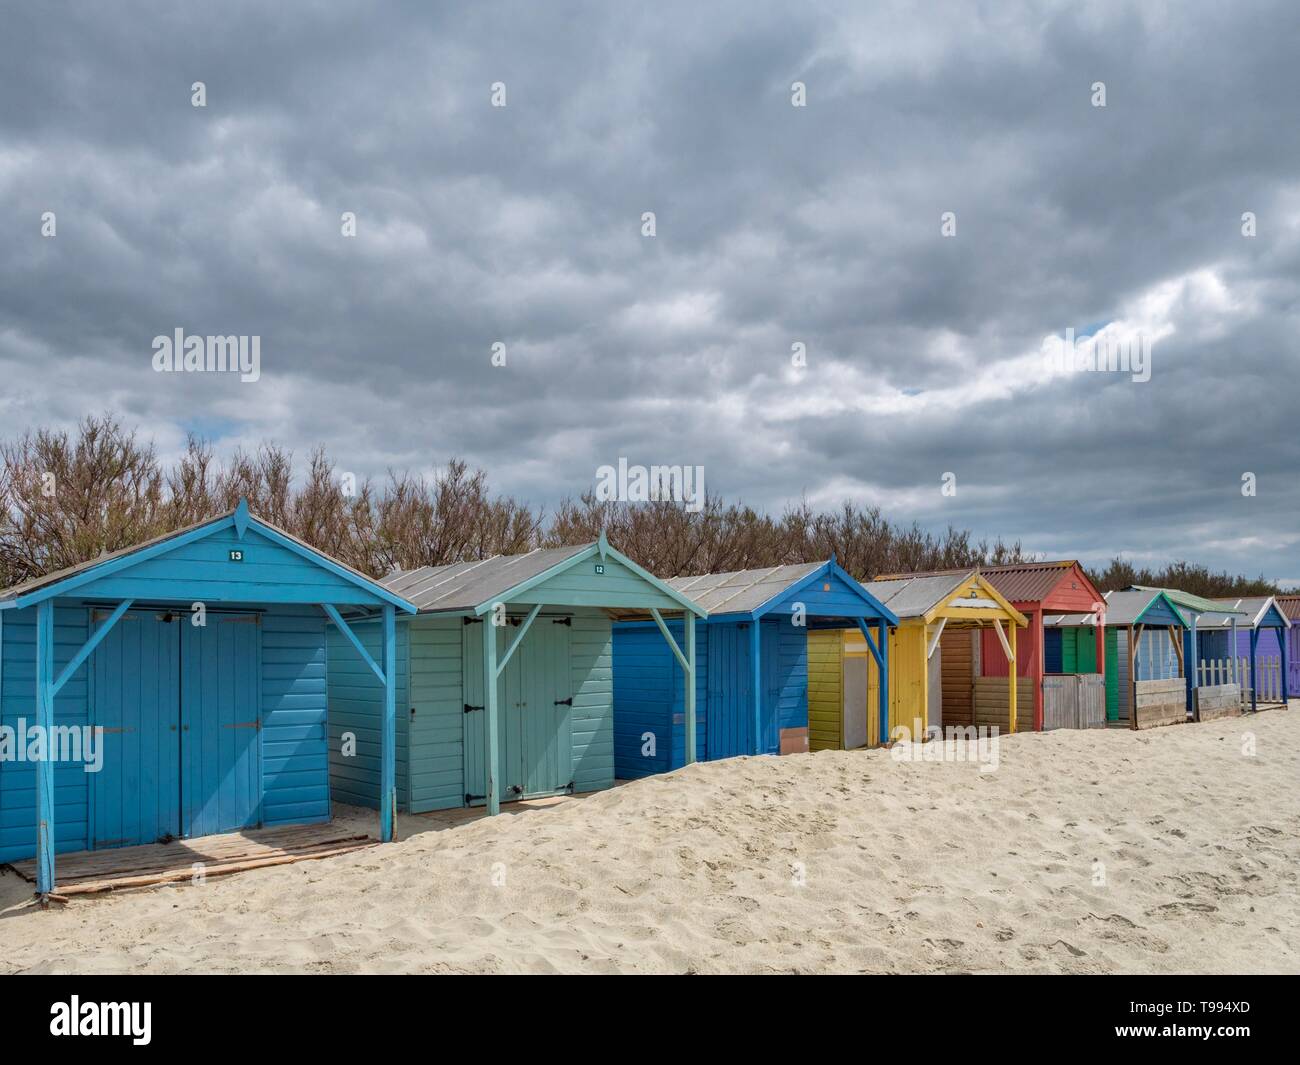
<point>1095,852</point>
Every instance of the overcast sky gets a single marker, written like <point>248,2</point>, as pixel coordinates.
<point>775,225</point>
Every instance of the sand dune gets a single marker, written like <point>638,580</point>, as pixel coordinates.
<point>1167,851</point>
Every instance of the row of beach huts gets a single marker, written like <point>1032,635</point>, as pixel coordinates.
<point>233,677</point>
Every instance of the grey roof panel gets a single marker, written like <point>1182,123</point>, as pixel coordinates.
<point>910,597</point>
<point>467,585</point>
<point>742,591</point>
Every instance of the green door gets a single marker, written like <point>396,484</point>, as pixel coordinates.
<point>535,737</point>
<point>545,689</point>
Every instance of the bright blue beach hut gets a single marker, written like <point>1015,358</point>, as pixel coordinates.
<point>195,665</point>
<point>752,666</point>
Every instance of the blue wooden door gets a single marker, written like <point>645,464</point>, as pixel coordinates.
<point>773,681</point>
<point>221,765</point>
<point>730,715</point>
<point>135,797</point>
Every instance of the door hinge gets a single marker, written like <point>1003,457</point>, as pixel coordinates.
<point>564,702</point>
<point>470,709</point>
<point>562,621</point>
<point>412,713</point>
<point>470,798</point>
<point>473,621</point>
<point>244,724</point>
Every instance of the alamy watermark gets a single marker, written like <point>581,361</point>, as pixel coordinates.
<point>640,484</point>
<point>967,743</point>
<point>62,743</point>
<point>1102,353</point>
<point>179,353</point>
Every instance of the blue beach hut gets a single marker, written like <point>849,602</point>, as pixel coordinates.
<point>751,665</point>
<point>195,664</point>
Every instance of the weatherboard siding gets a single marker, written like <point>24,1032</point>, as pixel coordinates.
<point>202,570</point>
<point>71,707</point>
<point>356,706</point>
<point>591,663</point>
<point>437,727</point>
<point>649,697</point>
<point>295,758</point>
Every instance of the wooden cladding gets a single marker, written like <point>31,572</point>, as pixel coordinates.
<point>1220,700</point>
<point>1160,702</point>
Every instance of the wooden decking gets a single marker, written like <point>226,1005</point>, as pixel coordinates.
<point>86,872</point>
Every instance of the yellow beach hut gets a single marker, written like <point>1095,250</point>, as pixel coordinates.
<point>939,618</point>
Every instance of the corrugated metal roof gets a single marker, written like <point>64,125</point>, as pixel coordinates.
<point>911,597</point>
<point>1023,582</point>
<point>742,591</point>
<point>1290,606</point>
<point>1187,599</point>
<point>467,585</point>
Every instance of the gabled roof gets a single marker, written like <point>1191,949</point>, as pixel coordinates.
<point>1021,582</point>
<point>1195,603</point>
<point>1257,609</point>
<point>1290,606</point>
<point>918,597</point>
<point>754,592</point>
<point>1122,608</point>
<point>66,581</point>
<point>465,585</point>
<point>1248,612</point>
<point>473,587</point>
<point>742,591</point>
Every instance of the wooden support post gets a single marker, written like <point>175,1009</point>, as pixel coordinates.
<point>45,765</point>
<point>1100,638</point>
<point>1282,635</point>
<point>756,683</point>
<point>388,748</point>
<point>1011,674</point>
<point>688,697</point>
<point>1036,664</point>
<point>1254,669</point>
<point>491,714</point>
<point>1132,681</point>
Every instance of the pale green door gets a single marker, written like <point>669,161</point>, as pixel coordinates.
<point>535,739</point>
<point>545,690</point>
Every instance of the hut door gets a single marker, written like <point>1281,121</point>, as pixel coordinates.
<point>135,797</point>
<point>221,778</point>
<point>476,717</point>
<point>729,711</point>
<point>855,702</point>
<point>545,694</point>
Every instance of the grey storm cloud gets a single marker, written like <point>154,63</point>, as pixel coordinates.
<point>776,225</point>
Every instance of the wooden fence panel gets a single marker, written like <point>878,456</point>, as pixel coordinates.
<point>1215,701</point>
<point>1092,700</point>
<point>1160,702</point>
<point>1060,702</point>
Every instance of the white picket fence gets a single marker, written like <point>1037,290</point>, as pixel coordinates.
<point>1267,681</point>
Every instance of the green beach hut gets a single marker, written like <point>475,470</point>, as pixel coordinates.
<point>505,679</point>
